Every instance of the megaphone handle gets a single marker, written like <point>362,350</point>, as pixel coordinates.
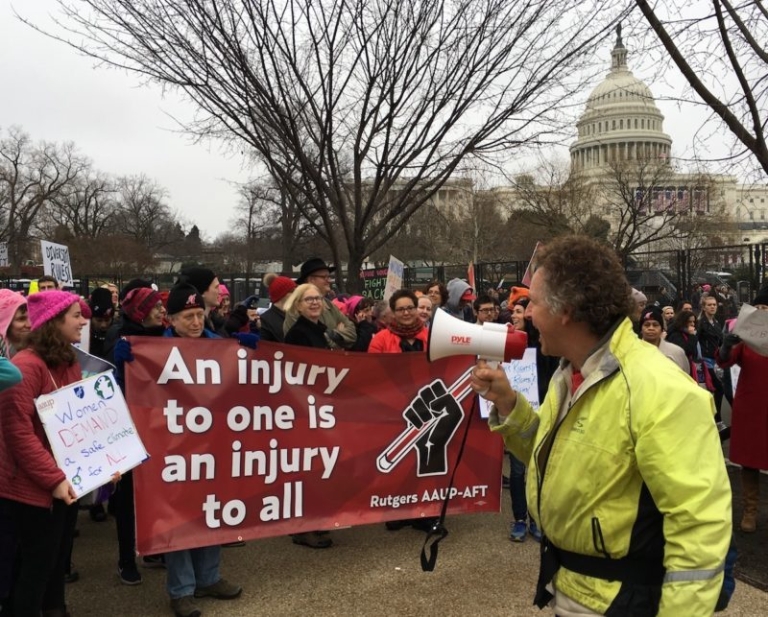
<point>396,450</point>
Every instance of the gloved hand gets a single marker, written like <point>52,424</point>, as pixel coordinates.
<point>335,340</point>
<point>123,351</point>
<point>237,319</point>
<point>247,339</point>
<point>730,340</point>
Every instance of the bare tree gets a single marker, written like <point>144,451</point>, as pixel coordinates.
<point>554,198</point>
<point>720,48</point>
<point>651,205</point>
<point>267,212</point>
<point>86,207</point>
<point>31,175</point>
<point>355,104</point>
<point>142,214</point>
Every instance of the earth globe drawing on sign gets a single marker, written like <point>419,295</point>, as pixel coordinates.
<point>104,387</point>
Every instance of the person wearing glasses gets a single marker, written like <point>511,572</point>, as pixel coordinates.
<point>406,332</point>
<point>342,332</point>
<point>304,308</point>
<point>485,309</point>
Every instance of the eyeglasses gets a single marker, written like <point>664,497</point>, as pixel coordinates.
<point>486,310</point>
<point>405,309</point>
<point>325,277</point>
<point>312,300</point>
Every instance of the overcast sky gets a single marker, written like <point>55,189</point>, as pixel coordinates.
<point>54,94</point>
<point>57,95</point>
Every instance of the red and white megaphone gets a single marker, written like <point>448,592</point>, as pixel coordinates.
<point>493,342</point>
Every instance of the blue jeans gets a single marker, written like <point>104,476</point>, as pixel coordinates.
<point>517,488</point>
<point>191,568</point>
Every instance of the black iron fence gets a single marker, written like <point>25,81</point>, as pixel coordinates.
<point>742,267</point>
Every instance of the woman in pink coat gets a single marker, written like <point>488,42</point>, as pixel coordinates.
<point>749,424</point>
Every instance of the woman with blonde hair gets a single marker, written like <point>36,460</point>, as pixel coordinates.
<point>305,305</point>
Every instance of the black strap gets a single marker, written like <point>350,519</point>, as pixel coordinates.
<point>625,569</point>
<point>438,531</point>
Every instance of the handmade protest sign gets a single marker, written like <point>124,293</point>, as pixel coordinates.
<point>56,262</point>
<point>395,274</point>
<point>90,431</point>
<point>523,377</point>
<point>752,327</point>
<point>374,282</point>
<point>249,444</point>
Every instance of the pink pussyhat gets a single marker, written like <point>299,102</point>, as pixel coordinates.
<point>45,305</point>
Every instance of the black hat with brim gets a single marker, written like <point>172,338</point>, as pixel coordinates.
<point>310,266</point>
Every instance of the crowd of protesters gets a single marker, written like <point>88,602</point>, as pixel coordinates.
<point>38,510</point>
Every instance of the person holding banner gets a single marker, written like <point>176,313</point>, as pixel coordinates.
<point>142,316</point>
<point>34,491</point>
<point>406,333</point>
<point>317,273</point>
<point>626,475</point>
<point>193,573</point>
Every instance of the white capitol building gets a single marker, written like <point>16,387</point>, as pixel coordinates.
<point>622,126</point>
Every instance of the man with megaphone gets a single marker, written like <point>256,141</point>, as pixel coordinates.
<point>626,475</point>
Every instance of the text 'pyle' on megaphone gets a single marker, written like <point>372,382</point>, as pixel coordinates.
<point>493,342</point>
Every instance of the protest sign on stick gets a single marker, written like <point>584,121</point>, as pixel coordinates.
<point>56,262</point>
<point>90,431</point>
<point>752,327</point>
<point>394,277</point>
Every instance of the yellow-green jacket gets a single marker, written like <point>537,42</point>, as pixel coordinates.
<point>638,451</point>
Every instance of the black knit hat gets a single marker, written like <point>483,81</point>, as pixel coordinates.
<point>184,297</point>
<point>133,284</point>
<point>312,265</point>
<point>761,297</point>
<point>101,302</point>
<point>654,313</point>
<point>199,277</point>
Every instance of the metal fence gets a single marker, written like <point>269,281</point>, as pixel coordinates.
<point>742,267</point>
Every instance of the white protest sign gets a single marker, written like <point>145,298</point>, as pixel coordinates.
<point>523,377</point>
<point>394,277</point>
<point>90,431</point>
<point>752,327</point>
<point>56,262</point>
<point>3,254</point>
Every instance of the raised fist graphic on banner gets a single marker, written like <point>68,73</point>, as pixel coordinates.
<point>432,419</point>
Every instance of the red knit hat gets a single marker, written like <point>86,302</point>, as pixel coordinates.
<point>280,287</point>
<point>139,302</point>
<point>45,305</point>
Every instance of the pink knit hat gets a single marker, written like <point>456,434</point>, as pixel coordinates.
<point>350,307</point>
<point>223,291</point>
<point>10,301</point>
<point>45,305</point>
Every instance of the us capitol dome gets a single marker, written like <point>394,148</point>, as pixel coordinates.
<point>621,121</point>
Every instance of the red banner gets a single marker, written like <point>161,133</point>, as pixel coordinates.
<point>248,444</point>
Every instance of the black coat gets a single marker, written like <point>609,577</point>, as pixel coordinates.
<point>272,325</point>
<point>710,337</point>
<point>307,334</point>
